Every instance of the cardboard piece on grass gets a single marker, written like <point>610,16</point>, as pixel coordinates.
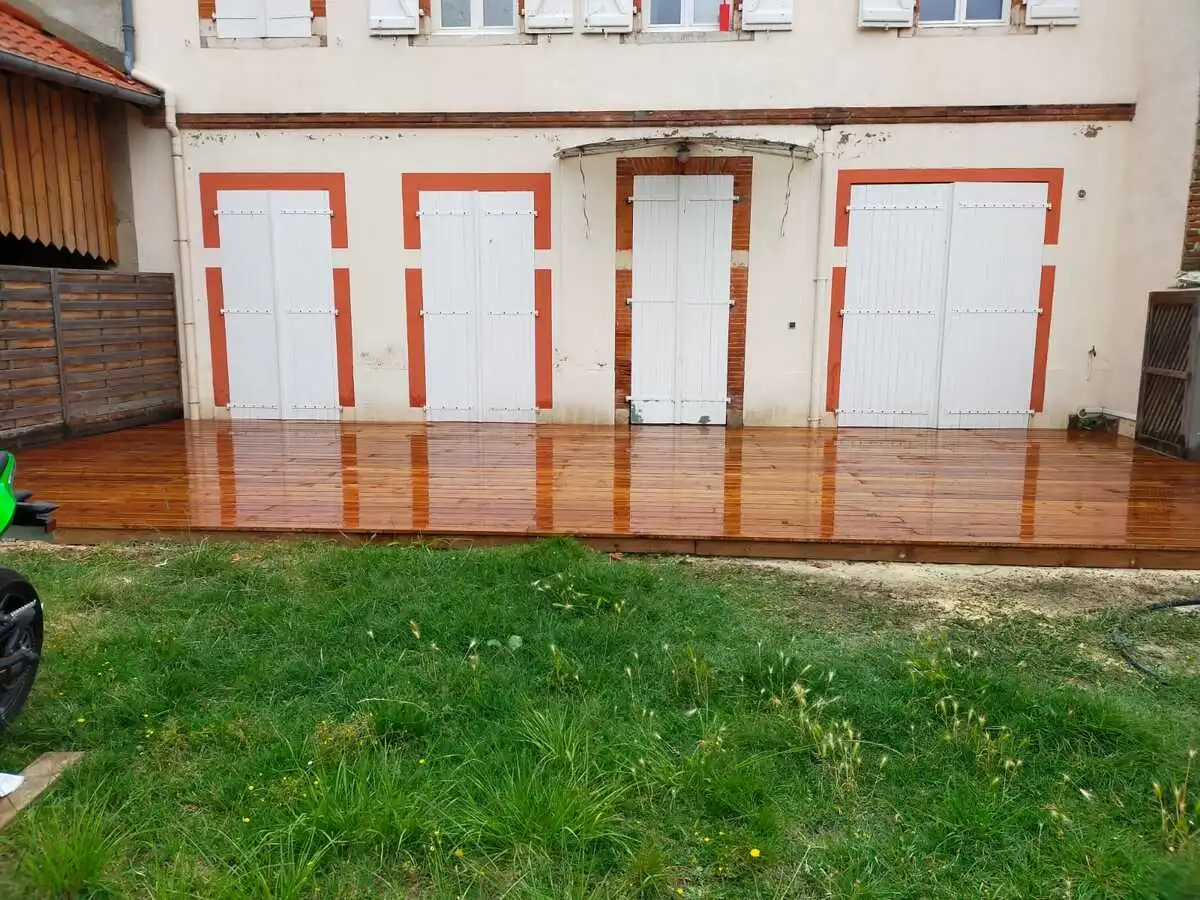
<point>38,776</point>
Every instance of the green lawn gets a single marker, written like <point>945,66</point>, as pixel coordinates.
<point>284,721</point>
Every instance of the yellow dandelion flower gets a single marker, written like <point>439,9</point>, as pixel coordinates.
<point>245,818</point>
<point>81,720</point>
<point>755,852</point>
<point>459,853</point>
<point>421,761</point>
<point>679,891</point>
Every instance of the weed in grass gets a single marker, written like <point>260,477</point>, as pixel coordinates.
<point>1179,813</point>
<point>70,848</point>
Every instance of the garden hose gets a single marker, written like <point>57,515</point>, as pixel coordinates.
<point>1121,642</point>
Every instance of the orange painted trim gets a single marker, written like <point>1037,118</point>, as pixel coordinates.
<point>412,183</point>
<point>848,178</point>
<point>334,183</point>
<point>415,326</point>
<point>216,335</point>
<point>1041,345</point>
<point>543,338</point>
<point>344,336</point>
<point>833,372</point>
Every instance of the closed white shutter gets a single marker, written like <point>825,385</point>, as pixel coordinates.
<point>1052,12</point>
<point>885,13</point>
<point>395,16</point>
<point>767,15</point>
<point>895,290</point>
<point>702,353</point>
<point>249,304</point>
<point>449,249</point>
<point>241,18</point>
<point>289,18</point>
<point>302,238</point>
<point>608,15</point>
<point>549,15</point>
<point>506,323</point>
<point>992,295</point>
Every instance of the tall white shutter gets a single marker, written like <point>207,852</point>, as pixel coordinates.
<point>655,288</point>
<point>395,16</point>
<point>248,283</point>
<point>992,299</point>
<point>608,15</point>
<point>450,286</point>
<point>289,18</point>
<point>1052,12</point>
<point>302,240</point>
<point>506,326</point>
<point>241,18</point>
<point>895,288</point>
<point>767,15</point>
<point>885,13</point>
<point>549,15</point>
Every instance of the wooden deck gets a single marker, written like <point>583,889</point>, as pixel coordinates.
<point>1037,498</point>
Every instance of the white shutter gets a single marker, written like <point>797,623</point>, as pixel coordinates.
<point>302,240</point>
<point>549,15</point>
<point>395,16</point>
<point>241,18</point>
<point>506,323</point>
<point>1052,12</point>
<point>767,15</point>
<point>655,287</point>
<point>248,284</point>
<point>885,13</point>
<point>891,321</point>
<point>608,15</point>
<point>289,18</point>
<point>992,300</point>
<point>449,248</point>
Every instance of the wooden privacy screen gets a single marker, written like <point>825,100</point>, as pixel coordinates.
<point>54,184</point>
<point>84,352</point>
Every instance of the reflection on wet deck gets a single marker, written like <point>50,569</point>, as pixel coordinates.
<point>1012,497</point>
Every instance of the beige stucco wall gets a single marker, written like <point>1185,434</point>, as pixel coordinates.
<point>825,61</point>
<point>582,254</point>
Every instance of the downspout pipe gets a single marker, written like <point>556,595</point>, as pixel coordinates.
<point>821,275</point>
<point>127,34</point>
<point>185,304</point>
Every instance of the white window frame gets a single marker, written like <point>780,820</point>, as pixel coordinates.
<point>687,9</point>
<point>961,21</point>
<point>476,16</point>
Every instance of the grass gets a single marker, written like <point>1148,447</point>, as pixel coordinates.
<point>295,721</point>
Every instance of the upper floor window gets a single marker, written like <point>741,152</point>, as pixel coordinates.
<point>475,15</point>
<point>692,15</point>
<point>963,12</point>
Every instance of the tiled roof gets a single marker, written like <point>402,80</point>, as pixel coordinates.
<point>21,35</point>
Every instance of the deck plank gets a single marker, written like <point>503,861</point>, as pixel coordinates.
<point>1048,498</point>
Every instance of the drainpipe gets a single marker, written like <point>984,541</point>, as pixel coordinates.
<point>821,274</point>
<point>185,304</point>
<point>127,34</point>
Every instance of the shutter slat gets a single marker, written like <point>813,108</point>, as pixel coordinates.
<point>886,13</point>
<point>1052,12</point>
<point>395,16</point>
<point>611,16</point>
<point>767,15</point>
<point>549,15</point>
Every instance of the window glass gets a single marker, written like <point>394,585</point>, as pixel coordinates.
<point>497,13</point>
<point>704,12</point>
<point>666,12</point>
<point>938,10</point>
<point>985,10</point>
<point>456,13</point>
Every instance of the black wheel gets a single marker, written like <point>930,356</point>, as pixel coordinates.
<point>16,680</point>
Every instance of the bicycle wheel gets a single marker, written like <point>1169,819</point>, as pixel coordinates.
<point>16,681</point>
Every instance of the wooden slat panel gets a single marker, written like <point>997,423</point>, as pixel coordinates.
<point>46,121</point>
<point>71,102</point>
<point>106,223</point>
<point>37,161</point>
<point>62,180</point>
<point>25,204</point>
<point>8,159</point>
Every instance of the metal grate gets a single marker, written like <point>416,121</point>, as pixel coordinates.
<point>1165,404</point>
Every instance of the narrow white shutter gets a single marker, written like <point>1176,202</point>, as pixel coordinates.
<point>767,15</point>
<point>885,13</point>
<point>1052,12</point>
<point>395,16</point>
<point>289,18</point>
<point>608,15</point>
<point>241,18</point>
<point>549,15</point>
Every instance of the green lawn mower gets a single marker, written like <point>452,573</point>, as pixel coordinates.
<point>20,608</point>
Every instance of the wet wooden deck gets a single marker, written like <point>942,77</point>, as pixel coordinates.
<point>1047,498</point>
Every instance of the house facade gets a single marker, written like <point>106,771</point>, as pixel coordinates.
<point>789,212</point>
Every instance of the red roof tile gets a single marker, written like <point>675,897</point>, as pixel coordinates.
<point>22,35</point>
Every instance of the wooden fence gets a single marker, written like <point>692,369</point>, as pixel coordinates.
<point>83,352</point>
